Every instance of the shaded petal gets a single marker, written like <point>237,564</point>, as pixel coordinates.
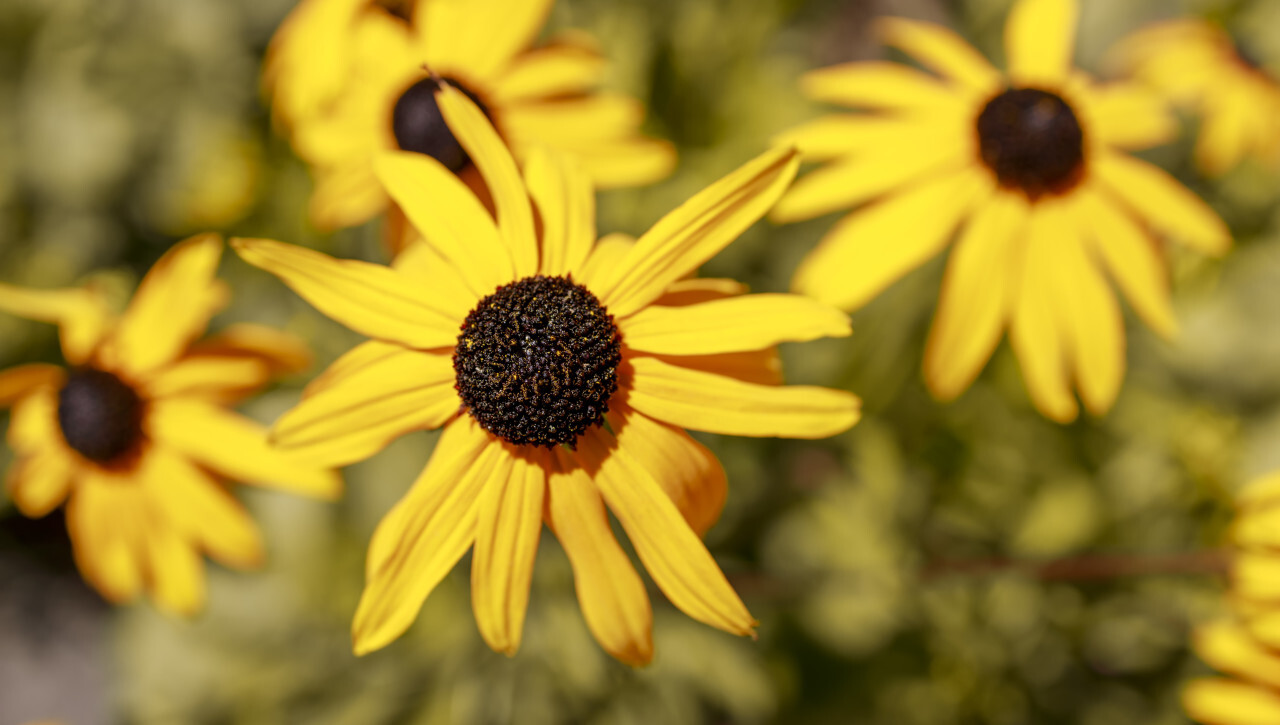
<point>40,483</point>
<point>1090,317</point>
<point>762,367</point>
<point>81,314</point>
<point>1227,702</point>
<point>943,51</point>
<point>567,207</point>
<point>195,505</point>
<point>369,298</point>
<point>562,68</point>
<point>718,404</point>
<point>345,195</point>
<point>879,85</point>
<point>749,322</point>
<point>1224,132</point>
<point>104,521</point>
<point>425,267</point>
<point>1035,333</point>
<point>1162,202</point>
<point>176,572</point>
<point>697,290</point>
<point>18,382</point>
<point>1039,40</point>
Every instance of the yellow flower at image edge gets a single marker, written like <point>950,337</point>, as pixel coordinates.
<point>562,370</point>
<point>1246,643</point>
<point>1030,165</point>
<point>349,80</point>
<point>135,432</point>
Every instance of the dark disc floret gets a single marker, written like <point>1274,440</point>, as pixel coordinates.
<point>1033,142</point>
<point>100,415</point>
<point>419,126</point>
<point>537,361</point>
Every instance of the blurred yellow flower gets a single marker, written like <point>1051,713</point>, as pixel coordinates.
<point>1246,644</point>
<point>562,370</point>
<point>133,433</point>
<point>1195,64</point>
<point>1030,164</point>
<point>350,79</point>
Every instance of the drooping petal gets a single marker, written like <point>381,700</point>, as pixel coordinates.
<point>176,574</point>
<point>20,381</point>
<point>1039,40</point>
<point>369,298</point>
<point>104,521</point>
<point>1162,202</point>
<point>1090,317</point>
<point>81,314</point>
<point>879,85</point>
<point>40,483</point>
<point>1228,702</point>
<point>943,51</point>
<point>566,203</point>
<point>748,322</point>
<point>558,69</point>
<point>718,404</point>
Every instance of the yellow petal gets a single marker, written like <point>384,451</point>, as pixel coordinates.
<point>18,382</point>
<point>351,420</point>
<point>449,217</point>
<point>943,51</point>
<point>573,122</point>
<point>351,362</point>
<point>176,572</point>
<point>567,208</point>
<point>81,315</point>
<point>1226,646</point>
<point>104,521</point>
<point>718,404</point>
<point>977,295</point>
<point>878,85</point>
<point>762,367</point>
<point>1226,702</point>
<point>870,249</point>
<point>698,229</point>
<point>482,36</point>
<point>1039,40</point>
<point>1128,116</point>
<point>424,266</point>
<point>33,423</point>
<point>425,534</point>
<point>680,564</point>
<point>749,322</point>
<point>1256,576</point>
<point>199,508</point>
<point>697,290</point>
<point>617,161</point>
<point>490,155</point>
<point>832,136</point>
<point>560,69</point>
<point>604,260</point>
<point>307,59</point>
<point>508,525</point>
<point>235,447</point>
<point>1224,133</point>
<point>369,298</point>
<point>345,196</point>
<point>1257,527</point>
<point>1090,317</point>
<point>612,596</point>
<point>40,483</point>
<point>282,352</point>
<point>1162,202</point>
<point>171,308</point>
<point>208,376</point>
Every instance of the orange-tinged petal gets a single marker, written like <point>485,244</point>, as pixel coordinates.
<point>198,507</point>
<point>762,367</point>
<point>40,483</point>
<point>942,51</point>
<point>567,208</point>
<point>104,519</point>
<point>1162,202</point>
<point>1035,331</point>
<point>20,381</point>
<point>878,85</point>
<point>748,322</point>
<point>80,312</point>
<point>1039,40</point>
<point>176,573</point>
<point>718,404</point>
<point>1227,702</point>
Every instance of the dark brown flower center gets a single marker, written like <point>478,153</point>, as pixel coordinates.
<point>1033,142</point>
<point>419,126</point>
<point>537,361</point>
<point>100,415</point>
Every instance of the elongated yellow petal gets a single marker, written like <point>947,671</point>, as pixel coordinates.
<point>426,267</point>
<point>208,376</point>
<point>761,367</point>
<point>1039,40</point>
<point>1090,317</point>
<point>567,207</point>
<point>977,295</point>
<point>282,352</point>
<point>1224,133</point>
<point>696,290</point>
<point>350,420</point>
<point>236,447</point>
<point>749,322</point>
<point>20,381</point>
<point>676,558</point>
<point>870,249</point>
<point>508,526</point>
<point>559,69</point>
<point>482,35</point>
<point>80,313</point>
<point>604,260</point>
<point>104,521</point>
<point>490,155</point>
<point>369,298</point>
<point>619,158</point>
<point>425,534</point>
<point>351,362</point>
<point>718,404</point>
<point>200,509</point>
<point>1228,647</point>
<point>1256,576</point>
<point>832,136</point>
<point>943,51</point>
<point>40,483</point>
<point>1035,331</point>
<point>571,122</point>
<point>612,596</point>
<point>345,196</point>
<point>449,217</point>
<point>33,423</point>
<point>176,573</point>
<point>1162,202</point>
<point>1227,702</point>
<point>878,85</point>
<point>1127,116</point>
<point>698,229</point>
<point>309,50</point>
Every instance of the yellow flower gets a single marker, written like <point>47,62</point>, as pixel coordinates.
<point>562,370</point>
<point>1245,645</point>
<point>133,434</point>
<point>1195,64</point>
<point>1030,163</point>
<point>350,80</point>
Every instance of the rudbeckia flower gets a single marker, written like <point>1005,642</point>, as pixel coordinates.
<point>135,434</point>
<point>562,371</point>
<point>1195,64</point>
<point>1030,164</point>
<point>349,80</point>
<point>1245,643</point>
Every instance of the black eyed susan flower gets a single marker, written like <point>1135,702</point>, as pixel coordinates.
<point>1030,164</point>
<point>135,433</point>
<point>349,80</point>
<point>562,370</point>
<point>1195,64</point>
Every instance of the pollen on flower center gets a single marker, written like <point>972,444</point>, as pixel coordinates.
<point>100,415</point>
<point>1032,140</point>
<point>537,361</point>
<point>419,126</point>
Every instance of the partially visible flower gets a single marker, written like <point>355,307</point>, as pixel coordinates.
<point>350,79</point>
<point>563,371</point>
<point>1196,65</point>
<point>1031,164</point>
<point>1246,644</point>
<point>134,435</point>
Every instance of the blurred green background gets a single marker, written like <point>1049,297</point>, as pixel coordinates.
<point>939,564</point>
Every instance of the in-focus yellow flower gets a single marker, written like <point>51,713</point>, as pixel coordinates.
<point>350,80</point>
<point>562,370</point>
<point>1030,164</point>
<point>1245,645</point>
<point>135,433</point>
<point>1196,65</point>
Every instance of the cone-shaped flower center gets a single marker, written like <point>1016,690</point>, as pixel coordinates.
<point>419,126</point>
<point>1032,140</point>
<point>100,415</point>
<point>537,361</point>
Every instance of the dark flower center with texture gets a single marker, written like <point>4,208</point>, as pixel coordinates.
<point>100,415</point>
<point>419,126</point>
<point>537,361</point>
<point>1032,140</point>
